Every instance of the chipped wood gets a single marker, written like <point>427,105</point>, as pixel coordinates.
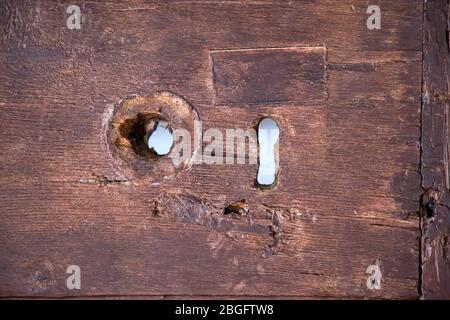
<point>435,222</point>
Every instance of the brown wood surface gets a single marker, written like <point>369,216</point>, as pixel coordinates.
<point>349,187</point>
<point>269,75</point>
<point>435,222</point>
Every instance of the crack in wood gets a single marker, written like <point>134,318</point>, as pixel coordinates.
<point>435,203</point>
<point>233,220</point>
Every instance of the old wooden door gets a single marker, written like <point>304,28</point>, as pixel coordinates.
<point>358,89</point>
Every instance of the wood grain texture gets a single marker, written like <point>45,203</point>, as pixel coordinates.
<point>268,75</point>
<point>349,186</point>
<point>435,152</point>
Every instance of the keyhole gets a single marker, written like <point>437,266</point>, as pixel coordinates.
<point>160,140</point>
<point>268,136</point>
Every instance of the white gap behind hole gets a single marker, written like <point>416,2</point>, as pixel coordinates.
<point>161,139</point>
<point>268,135</point>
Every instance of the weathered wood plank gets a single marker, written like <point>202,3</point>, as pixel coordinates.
<point>349,185</point>
<point>169,25</point>
<point>435,223</point>
<point>122,247</point>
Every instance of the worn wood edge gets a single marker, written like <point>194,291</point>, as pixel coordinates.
<point>435,210</point>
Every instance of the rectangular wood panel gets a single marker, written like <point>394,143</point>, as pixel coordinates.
<point>269,75</point>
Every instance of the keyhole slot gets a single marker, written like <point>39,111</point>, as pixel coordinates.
<point>268,138</point>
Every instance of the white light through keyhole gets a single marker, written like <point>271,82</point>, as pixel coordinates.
<point>268,135</point>
<point>161,139</point>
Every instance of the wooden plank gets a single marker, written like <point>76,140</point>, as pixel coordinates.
<point>348,190</point>
<point>435,268</point>
<point>122,247</point>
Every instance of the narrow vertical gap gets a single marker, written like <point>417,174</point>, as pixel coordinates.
<point>421,231</point>
<point>268,153</point>
<point>446,98</point>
